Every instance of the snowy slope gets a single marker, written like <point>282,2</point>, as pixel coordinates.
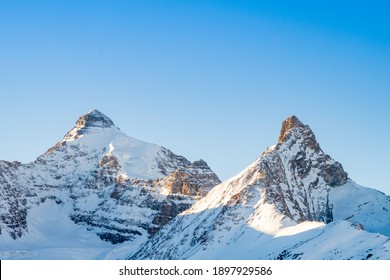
<point>94,189</point>
<point>294,202</point>
<point>94,132</point>
<point>357,204</point>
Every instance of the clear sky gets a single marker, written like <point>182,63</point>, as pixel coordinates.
<point>206,79</point>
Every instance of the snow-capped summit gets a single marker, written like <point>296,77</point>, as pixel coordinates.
<point>89,122</point>
<point>94,118</point>
<point>292,199</point>
<point>95,133</point>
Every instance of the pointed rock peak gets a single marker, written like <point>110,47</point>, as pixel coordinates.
<point>287,125</point>
<point>298,142</point>
<point>94,118</point>
<point>200,164</point>
<point>88,123</point>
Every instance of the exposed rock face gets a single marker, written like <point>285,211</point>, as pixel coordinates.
<point>117,187</point>
<point>287,125</point>
<point>13,210</point>
<point>168,162</point>
<point>196,180</point>
<point>94,119</point>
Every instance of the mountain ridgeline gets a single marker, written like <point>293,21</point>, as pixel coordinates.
<point>99,194</point>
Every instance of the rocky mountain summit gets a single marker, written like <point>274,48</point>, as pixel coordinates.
<point>101,182</point>
<point>299,175</point>
<point>293,202</point>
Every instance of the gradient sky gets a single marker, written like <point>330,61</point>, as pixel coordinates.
<point>206,79</point>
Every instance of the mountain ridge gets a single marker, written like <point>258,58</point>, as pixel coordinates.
<point>99,194</point>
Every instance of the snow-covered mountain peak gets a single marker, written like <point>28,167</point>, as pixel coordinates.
<point>100,181</point>
<point>292,197</point>
<point>301,153</point>
<point>96,134</point>
<point>90,122</point>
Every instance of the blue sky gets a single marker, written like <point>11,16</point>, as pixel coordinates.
<point>206,79</point>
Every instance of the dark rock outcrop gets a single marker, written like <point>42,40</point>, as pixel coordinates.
<point>196,180</point>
